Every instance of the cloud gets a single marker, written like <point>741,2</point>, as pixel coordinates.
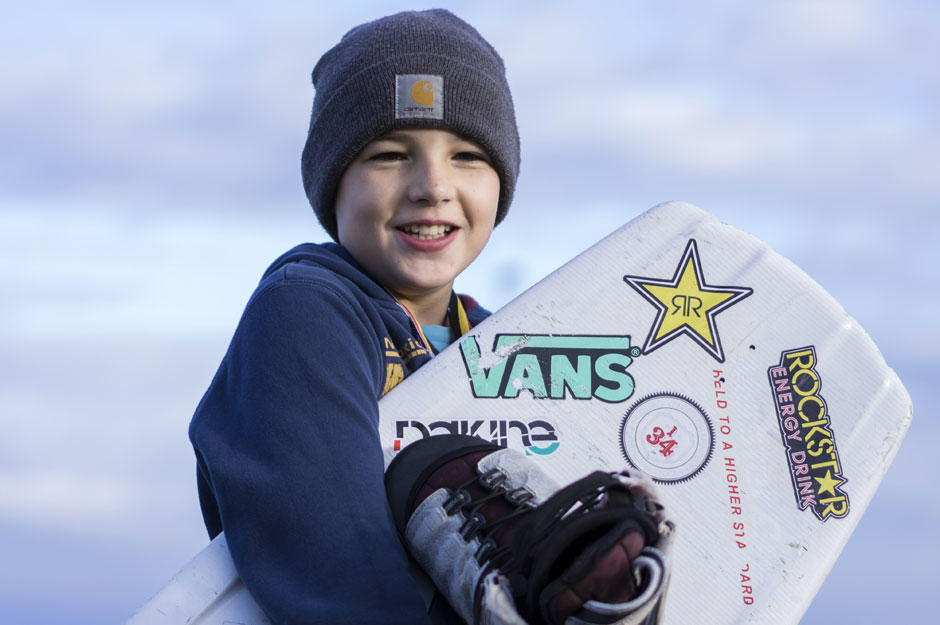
<point>790,97</point>
<point>192,110</point>
<point>46,497</point>
<point>210,110</point>
<point>81,270</point>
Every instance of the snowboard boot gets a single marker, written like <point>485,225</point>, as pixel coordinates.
<point>506,546</point>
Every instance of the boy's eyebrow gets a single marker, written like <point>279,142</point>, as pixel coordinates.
<point>392,136</point>
<point>403,137</point>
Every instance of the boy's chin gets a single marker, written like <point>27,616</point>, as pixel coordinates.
<point>428,274</point>
<point>414,290</point>
<point>421,285</point>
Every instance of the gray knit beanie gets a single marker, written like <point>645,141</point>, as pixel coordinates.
<point>417,69</point>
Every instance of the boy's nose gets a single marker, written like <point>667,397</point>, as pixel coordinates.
<point>431,184</point>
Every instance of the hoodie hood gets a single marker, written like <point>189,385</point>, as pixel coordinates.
<point>337,260</point>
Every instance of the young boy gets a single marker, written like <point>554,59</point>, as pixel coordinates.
<point>411,160</point>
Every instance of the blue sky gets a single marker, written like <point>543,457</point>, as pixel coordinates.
<point>149,171</point>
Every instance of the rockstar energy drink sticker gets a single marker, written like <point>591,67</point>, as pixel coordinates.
<point>807,435</point>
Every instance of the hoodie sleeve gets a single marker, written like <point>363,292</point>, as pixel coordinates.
<point>289,454</point>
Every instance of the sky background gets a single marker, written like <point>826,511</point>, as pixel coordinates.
<point>149,172</point>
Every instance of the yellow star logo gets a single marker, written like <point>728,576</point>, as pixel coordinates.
<point>828,483</point>
<point>686,304</point>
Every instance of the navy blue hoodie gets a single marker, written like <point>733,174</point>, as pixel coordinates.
<point>287,445</point>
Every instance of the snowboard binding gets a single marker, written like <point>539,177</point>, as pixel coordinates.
<point>506,546</point>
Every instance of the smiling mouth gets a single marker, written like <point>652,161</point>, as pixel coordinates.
<point>427,233</point>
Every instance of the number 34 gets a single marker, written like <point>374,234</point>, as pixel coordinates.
<point>665,446</point>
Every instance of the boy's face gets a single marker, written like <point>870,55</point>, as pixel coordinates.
<point>415,207</point>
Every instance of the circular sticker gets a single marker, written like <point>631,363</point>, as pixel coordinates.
<point>667,436</point>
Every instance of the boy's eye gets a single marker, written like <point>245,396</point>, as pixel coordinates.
<point>471,156</point>
<point>387,156</point>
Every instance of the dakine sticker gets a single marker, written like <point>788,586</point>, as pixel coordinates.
<point>667,436</point>
<point>807,435</point>
<point>685,304</point>
<point>537,437</point>
<point>419,96</point>
<point>551,366</point>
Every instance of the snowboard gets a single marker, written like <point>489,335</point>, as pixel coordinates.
<point>686,349</point>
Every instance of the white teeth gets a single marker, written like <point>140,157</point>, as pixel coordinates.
<point>425,232</point>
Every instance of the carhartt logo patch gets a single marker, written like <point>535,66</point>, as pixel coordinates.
<point>419,96</point>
